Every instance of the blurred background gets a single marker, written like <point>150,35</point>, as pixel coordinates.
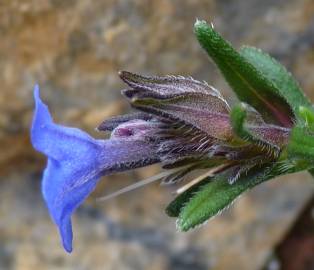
<point>74,49</point>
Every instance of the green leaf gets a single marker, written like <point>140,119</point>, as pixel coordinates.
<point>300,149</point>
<point>287,86</point>
<point>237,117</point>
<point>307,114</point>
<point>301,144</point>
<point>174,207</point>
<point>219,194</point>
<point>250,85</point>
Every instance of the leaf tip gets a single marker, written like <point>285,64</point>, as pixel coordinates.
<point>182,226</point>
<point>202,25</point>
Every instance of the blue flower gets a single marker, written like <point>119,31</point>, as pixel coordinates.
<point>76,161</point>
<point>182,123</point>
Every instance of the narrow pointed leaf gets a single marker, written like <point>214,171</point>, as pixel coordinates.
<point>288,88</point>
<point>250,85</point>
<point>174,207</point>
<point>219,194</point>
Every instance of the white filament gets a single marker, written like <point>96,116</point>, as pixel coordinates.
<point>200,178</point>
<point>137,185</point>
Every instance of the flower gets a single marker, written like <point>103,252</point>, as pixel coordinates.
<point>76,161</point>
<point>181,123</point>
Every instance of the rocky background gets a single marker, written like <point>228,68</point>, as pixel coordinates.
<point>74,49</point>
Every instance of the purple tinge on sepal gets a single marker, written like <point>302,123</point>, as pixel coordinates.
<point>180,99</point>
<point>76,161</point>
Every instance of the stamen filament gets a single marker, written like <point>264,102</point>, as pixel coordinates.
<point>201,177</point>
<point>138,184</point>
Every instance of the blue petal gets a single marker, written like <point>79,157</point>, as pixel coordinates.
<point>76,161</point>
<point>73,166</point>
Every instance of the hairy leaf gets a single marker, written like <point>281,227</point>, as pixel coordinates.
<point>174,208</point>
<point>250,85</point>
<point>218,194</point>
<point>287,86</point>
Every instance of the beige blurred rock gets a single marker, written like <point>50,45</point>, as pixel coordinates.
<point>74,49</point>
